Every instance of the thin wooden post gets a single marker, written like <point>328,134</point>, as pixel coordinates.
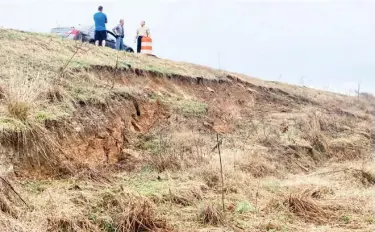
<point>221,171</point>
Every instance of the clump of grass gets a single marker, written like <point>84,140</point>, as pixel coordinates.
<point>6,206</point>
<point>139,215</point>
<point>244,207</point>
<point>88,94</point>
<point>26,136</point>
<point>257,165</point>
<point>157,69</point>
<point>10,201</point>
<point>191,107</point>
<point>211,176</point>
<point>183,196</point>
<point>166,153</point>
<point>166,161</point>
<point>69,224</point>
<point>211,214</point>
<point>129,213</point>
<point>19,110</point>
<point>302,205</point>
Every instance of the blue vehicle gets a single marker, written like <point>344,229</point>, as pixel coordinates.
<point>87,34</point>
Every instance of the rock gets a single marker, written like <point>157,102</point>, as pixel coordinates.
<point>136,126</point>
<point>75,187</point>
<point>129,154</point>
<point>211,90</point>
<point>102,135</point>
<point>368,170</point>
<point>251,91</point>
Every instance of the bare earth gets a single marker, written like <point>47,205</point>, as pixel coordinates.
<point>95,140</point>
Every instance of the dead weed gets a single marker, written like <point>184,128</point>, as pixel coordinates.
<point>139,215</point>
<point>211,214</point>
<point>304,206</point>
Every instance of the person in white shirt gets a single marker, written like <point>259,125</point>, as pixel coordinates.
<point>142,31</point>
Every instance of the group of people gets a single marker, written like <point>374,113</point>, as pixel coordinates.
<point>101,31</point>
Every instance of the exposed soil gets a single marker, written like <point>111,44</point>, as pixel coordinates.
<point>135,149</point>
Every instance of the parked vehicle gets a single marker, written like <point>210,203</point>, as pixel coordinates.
<point>87,34</point>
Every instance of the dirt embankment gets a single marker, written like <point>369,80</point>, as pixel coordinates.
<point>99,148</point>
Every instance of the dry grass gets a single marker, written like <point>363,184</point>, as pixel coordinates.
<point>284,136</point>
<point>138,216</point>
<point>10,202</point>
<point>368,172</point>
<point>211,214</point>
<point>70,225</point>
<point>131,213</point>
<point>185,196</point>
<point>256,164</point>
<point>304,206</point>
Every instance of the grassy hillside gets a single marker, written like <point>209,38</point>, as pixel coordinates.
<point>97,140</point>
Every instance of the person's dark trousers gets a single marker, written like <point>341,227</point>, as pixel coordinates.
<point>139,44</point>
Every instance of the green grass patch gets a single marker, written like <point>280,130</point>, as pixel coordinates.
<point>158,69</point>
<point>78,64</point>
<point>36,187</point>
<point>11,124</point>
<point>88,94</point>
<point>10,35</point>
<point>42,116</point>
<point>186,107</point>
<point>191,108</point>
<point>244,207</point>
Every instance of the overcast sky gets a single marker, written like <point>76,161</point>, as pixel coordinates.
<point>319,43</point>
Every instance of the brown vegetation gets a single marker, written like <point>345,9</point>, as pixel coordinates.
<point>93,143</point>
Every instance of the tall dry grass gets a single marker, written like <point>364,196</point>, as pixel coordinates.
<point>23,95</point>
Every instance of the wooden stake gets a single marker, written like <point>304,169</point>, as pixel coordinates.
<point>221,171</point>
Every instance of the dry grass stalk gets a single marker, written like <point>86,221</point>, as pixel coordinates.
<point>10,200</point>
<point>302,205</point>
<point>19,110</point>
<point>257,165</point>
<point>184,196</point>
<point>67,224</point>
<point>139,216</point>
<point>166,161</point>
<point>211,215</point>
<point>34,145</point>
<point>7,207</point>
<point>93,175</point>
<point>20,131</point>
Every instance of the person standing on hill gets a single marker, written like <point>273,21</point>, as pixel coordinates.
<point>119,32</point>
<point>142,31</point>
<point>100,30</point>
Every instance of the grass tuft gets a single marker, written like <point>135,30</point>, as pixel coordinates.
<point>211,215</point>
<point>19,110</point>
<point>139,215</point>
<point>302,205</point>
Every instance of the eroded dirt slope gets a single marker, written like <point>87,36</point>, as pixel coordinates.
<point>93,140</point>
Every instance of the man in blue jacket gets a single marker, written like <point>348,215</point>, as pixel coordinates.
<point>100,30</point>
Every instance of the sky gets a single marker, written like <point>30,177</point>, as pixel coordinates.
<point>324,44</point>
